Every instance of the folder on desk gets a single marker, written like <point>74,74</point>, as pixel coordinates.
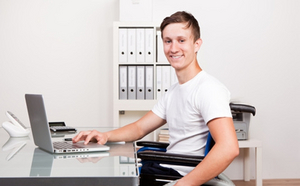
<point>140,45</point>
<point>158,82</point>
<point>131,36</point>
<point>149,44</point>
<point>140,82</point>
<point>123,82</point>
<point>122,45</point>
<point>166,79</point>
<point>131,82</point>
<point>149,82</point>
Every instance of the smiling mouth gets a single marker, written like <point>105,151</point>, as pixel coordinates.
<point>176,57</point>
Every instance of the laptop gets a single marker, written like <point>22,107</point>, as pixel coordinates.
<point>41,131</point>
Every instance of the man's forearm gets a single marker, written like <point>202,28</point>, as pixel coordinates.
<point>136,130</point>
<point>129,132</point>
<point>213,164</point>
<point>224,151</point>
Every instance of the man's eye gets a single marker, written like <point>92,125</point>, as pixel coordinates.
<point>167,41</point>
<point>181,41</point>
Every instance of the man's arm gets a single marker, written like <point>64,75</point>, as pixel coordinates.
<point>219,157</point>
<point>130,132</point>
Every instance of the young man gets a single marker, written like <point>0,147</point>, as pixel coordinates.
<point>197,104</point>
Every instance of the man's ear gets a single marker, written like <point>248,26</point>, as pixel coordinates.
<point>198,44</point>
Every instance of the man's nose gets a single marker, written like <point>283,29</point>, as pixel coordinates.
<point>174,47</point>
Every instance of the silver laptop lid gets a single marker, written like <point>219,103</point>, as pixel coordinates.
<point>38,121</point>
<point>41,130</point>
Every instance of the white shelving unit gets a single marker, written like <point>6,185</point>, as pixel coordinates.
<point>123,105</point>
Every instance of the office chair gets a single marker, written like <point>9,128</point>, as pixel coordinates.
<point>155,152</point>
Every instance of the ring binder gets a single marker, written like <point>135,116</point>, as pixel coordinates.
<point>140,93</point>
<point>123,82</point>
<point>122,45</point>
<point>131,82</point>
<point>149,82</point>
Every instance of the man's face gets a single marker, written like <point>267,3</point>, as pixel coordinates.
<point>179,46</point>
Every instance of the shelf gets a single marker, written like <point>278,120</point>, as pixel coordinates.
<point>144,63</point>
<point>119,60</point>
<point>136,24</point>
<point>136,63</point>
<point>250,143</point>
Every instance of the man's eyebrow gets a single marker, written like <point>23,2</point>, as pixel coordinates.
<point>177,37</point>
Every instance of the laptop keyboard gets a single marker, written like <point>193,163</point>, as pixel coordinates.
<point>65,145</point>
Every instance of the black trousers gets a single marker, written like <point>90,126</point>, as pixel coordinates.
<point>155,168</point>
<point>152,174</point>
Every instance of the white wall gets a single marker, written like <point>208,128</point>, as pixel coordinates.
<point>62,49</point>
<point>253,48</point>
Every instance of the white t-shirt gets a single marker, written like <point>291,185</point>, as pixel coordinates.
<point>188,108</point>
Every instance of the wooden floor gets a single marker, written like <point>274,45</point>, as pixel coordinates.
<point>275,182</point>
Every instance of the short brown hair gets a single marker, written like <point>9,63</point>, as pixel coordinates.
<point>182,17</point>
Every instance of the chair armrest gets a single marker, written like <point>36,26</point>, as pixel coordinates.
<point>152,144</point>
<point>170,158</point>
<point>242,108</point>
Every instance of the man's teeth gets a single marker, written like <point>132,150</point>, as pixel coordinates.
<point>176,56</point>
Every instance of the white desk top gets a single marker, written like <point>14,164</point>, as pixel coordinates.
<point>250,143</point>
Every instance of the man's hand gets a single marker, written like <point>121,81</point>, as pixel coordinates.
<point>87,136</point>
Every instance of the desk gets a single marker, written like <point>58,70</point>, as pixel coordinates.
<point>22,163</point>
<point>257,145</point>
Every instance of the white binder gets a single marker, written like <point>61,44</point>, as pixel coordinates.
<point>149,82</point>
<point>131,82</point>
<point>149,44</point>
<point>173,76</point>
<point>158,82</point>
<point>166,78</point>
<point>131,52</point>
<point>122,45</point>
<point>160,48</point>
<point>140,74</point>
<point>123,82</point>
<point>140,45</point>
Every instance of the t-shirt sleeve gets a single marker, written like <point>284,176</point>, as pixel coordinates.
<point>214,103</point>
<point>160,108</point>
